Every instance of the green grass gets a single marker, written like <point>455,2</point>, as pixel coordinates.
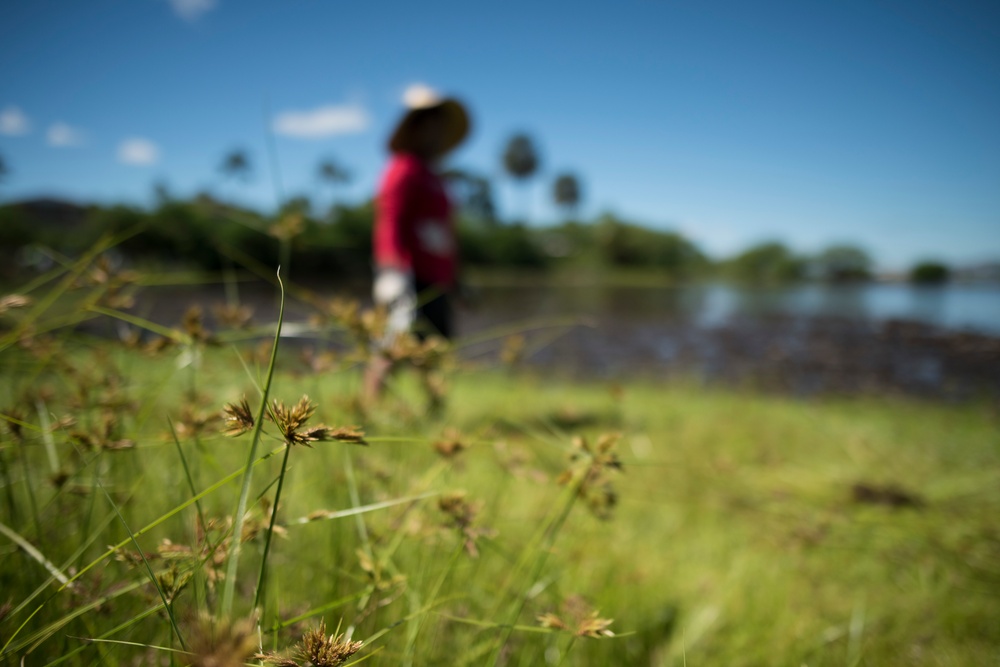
<point>735,538</point>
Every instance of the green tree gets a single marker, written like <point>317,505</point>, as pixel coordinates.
<point>521,161</point>
<point>566,193</point>
<point>766,262</point>
<point>628,245</point>
<point>843,263</point>
<point>930,273</point>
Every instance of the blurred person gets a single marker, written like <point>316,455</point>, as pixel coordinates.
<point>414,242</point>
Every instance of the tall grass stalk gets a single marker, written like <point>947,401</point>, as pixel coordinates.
<point>187,471</point>
<point>234,555</point>
<point>8,487</point>
<point>92,537</point>
<point>73,272</point>
<point>114,548</point>
<point>259,592</point>
<point>359,522</point>
<point>113,631</point>
<point>35,554</point>
<point>29,484</point>
<point>152,576</point>
<point>35,640</point>
<point>50,444</point>
<point>414,630</point>
<point>541,553</point>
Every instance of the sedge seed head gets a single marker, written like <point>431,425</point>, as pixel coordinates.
<point>291,422</point>
<point>237,418</point>
<point>315,650</point>
<point>221,643</point>
<point>326,651</point>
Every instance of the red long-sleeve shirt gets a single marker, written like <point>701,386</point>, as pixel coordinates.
<point>413,226</point>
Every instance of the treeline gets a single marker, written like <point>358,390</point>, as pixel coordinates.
<point>208,234</point>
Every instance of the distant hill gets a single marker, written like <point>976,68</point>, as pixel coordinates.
<point>50,212</point>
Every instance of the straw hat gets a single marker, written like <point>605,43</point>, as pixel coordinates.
<point>419,97</point>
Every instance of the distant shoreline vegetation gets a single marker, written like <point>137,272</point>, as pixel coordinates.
<point>206,233</point>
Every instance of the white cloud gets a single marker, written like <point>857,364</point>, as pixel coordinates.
<point>64,136</point>
<point>138,151</point>
<point>14,122</point>
<point>191,10</point>
<point>327,121</point>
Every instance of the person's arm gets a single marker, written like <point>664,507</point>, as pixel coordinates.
<point>394,225</point>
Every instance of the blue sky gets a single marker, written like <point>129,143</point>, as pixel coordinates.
<point>872,122</point>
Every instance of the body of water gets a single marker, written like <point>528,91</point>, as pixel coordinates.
<point>974,308</point>
<point>960,307</point>
<point>803,339</point>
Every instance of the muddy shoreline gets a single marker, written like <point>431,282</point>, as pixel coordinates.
<point>615,340</point>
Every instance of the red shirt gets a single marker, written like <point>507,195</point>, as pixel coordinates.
<point>413,225</point>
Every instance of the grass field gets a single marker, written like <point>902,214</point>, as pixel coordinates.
<point>532,521</point>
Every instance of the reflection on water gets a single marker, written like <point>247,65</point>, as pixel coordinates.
<point>969,307</point>
<point>802,339</point>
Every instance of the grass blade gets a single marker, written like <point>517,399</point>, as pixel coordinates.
<point>27,547</point>
<point>241,507</point>
<point>152,576</point>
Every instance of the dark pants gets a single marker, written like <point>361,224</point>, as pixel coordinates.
<point>433,311</point>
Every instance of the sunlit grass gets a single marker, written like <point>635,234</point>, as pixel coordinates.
<point>741,529</point>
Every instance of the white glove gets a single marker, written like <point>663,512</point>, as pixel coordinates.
<point>395,290</point>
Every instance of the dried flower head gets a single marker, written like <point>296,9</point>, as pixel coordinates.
<point>114,281</point>
<point>579,618</point>
<point>291,420</point>
<point>349,434</point>
<point>256,523</point>
<point>288,227</point>
<point>363,326</point>
<point>316,650</point>
<point>324,651</point>
<point>193,422</point>
<point>12,301</point>
<point>237,417</point>
<point>193,324</point>
<point>551,621</point>
<point>451,445</point>
<point>318,362</point>
<point>159,344</point>
<point>595,627</point>
<point>590,467</point>
<point>103,436</point>
<point>461,515</point>
<point>235,316</point>
<point>221,643</point>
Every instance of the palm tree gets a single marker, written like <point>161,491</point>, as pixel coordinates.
<point>521,159</point>
<point>566,193</point>
<point>332,173</point>
<point>236,165</point>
